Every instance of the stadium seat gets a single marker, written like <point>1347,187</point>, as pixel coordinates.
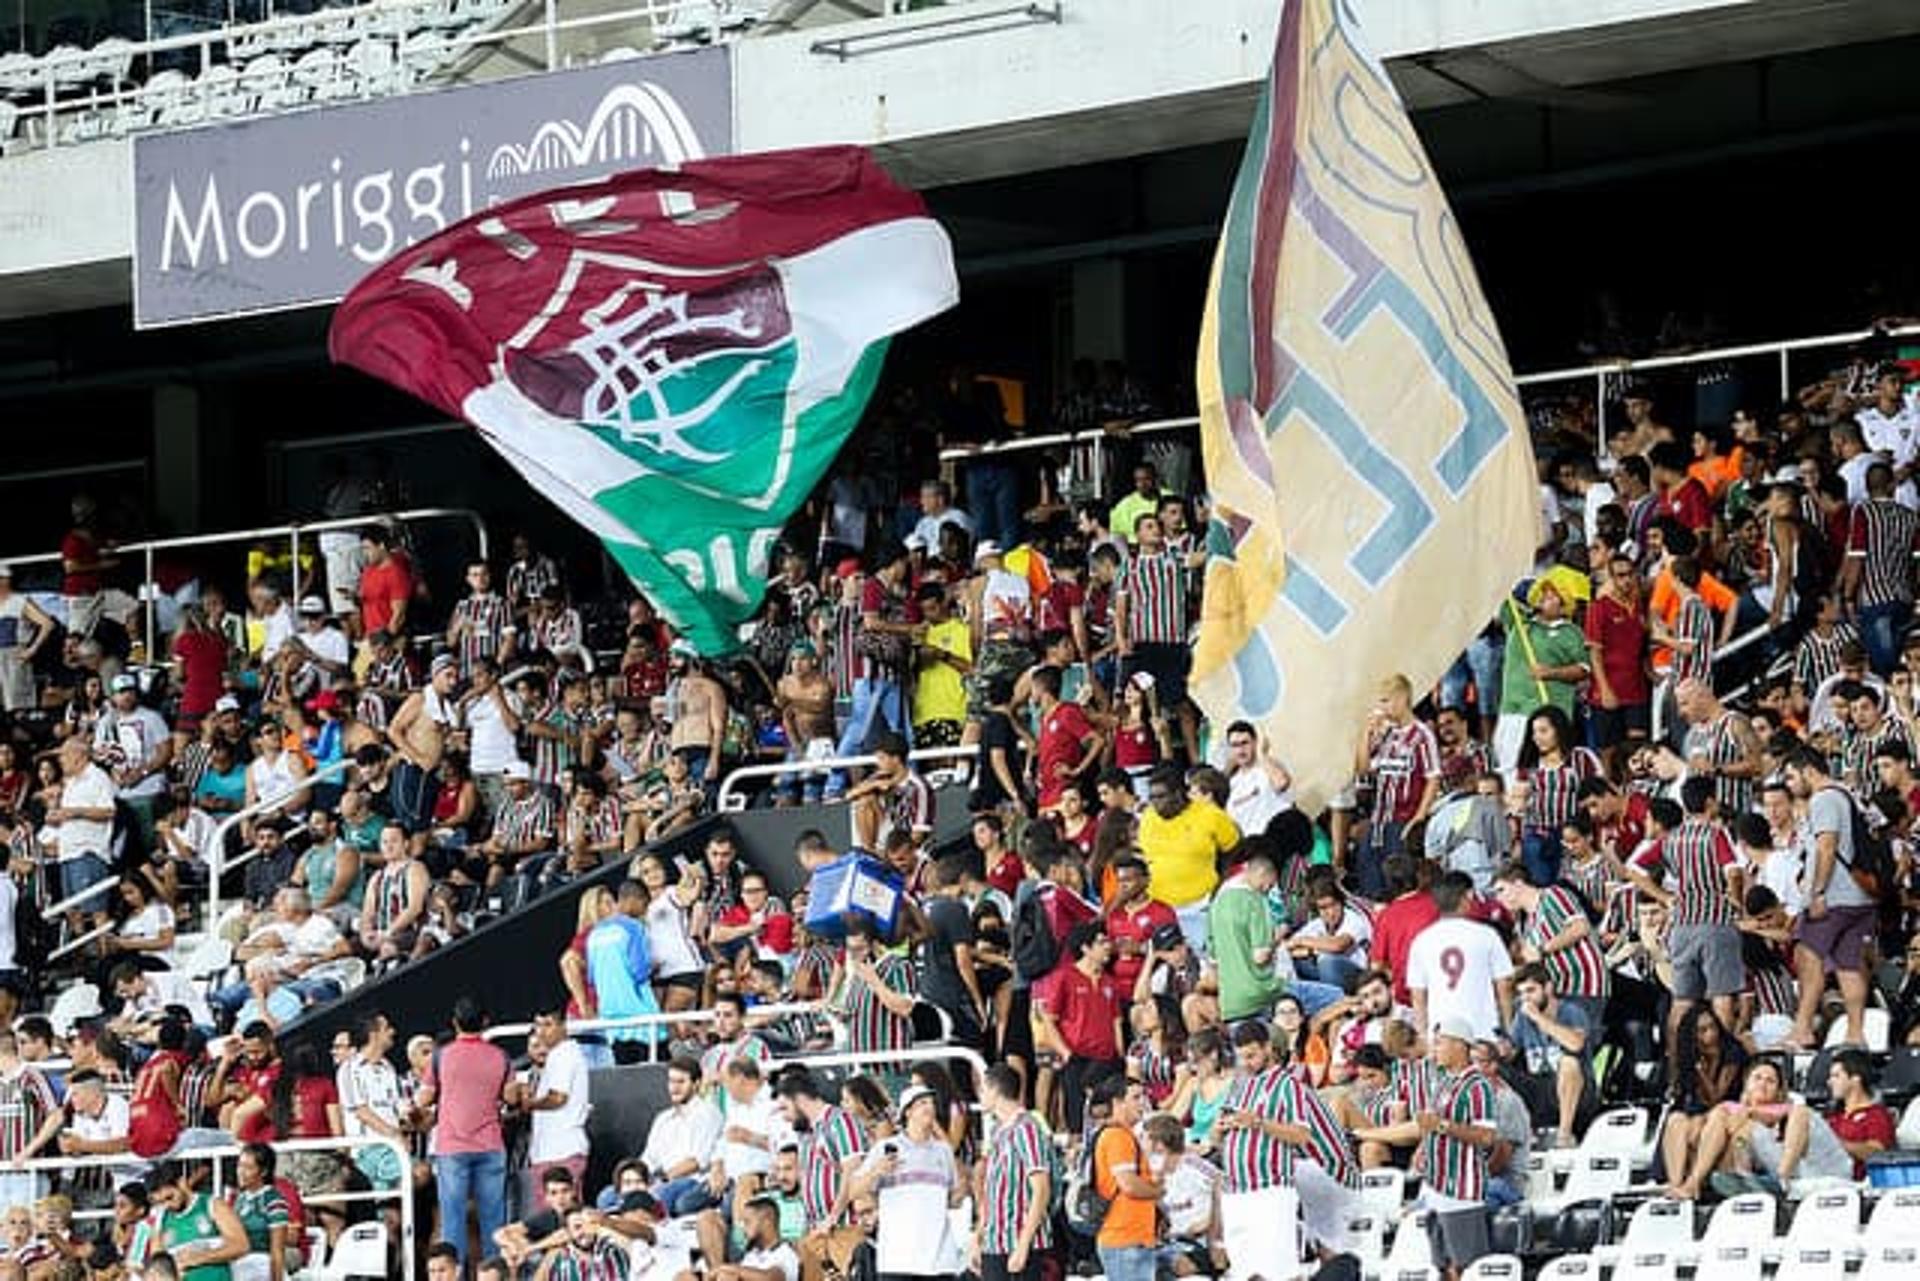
<point>1827,1218</point>
<point>1895,1218</point>
<point>82,1000</point>
<point>1663,1225</point>
<point>1891,1261</point>
<point>1579,1227</point>
<point>1810,1263</point>
<point>1595,1177</point>
<point>1367,1241</point>
<point>1900,1081</point>
<point>1813,1080</point>
<point>315,1255</point>
<point>1750,1219</point>
<point>9,116</point>
<point>1729,1263</point>
<point>360,1252</point>
<point>1571,1267</point>
<point>1510,1229</point>
<point>1878,1027</point>
<point>1494,1267</point>
<point>1645,1265</point>
<point>1621,1131</point>
<point>1412,1254</point>
<point>1382,1191</point>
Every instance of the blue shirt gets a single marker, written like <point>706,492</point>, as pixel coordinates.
<point>1540,1052</point>
<point>230,786</point>
<point>619,963</point>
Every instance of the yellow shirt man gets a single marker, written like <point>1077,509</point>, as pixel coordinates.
<point>1182,852</point>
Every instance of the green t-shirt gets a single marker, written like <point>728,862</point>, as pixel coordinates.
<point>364,835</point>
<point>793,1221</point>
<point>1238,924</point>
<point>1560,644</point>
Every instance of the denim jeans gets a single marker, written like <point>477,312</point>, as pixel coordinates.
<point>993,495</point>
<point>876,702</point>
<point>1313,995</point>
<point>310,991</point>
<point>1383,838</point>
<point>683,1196</point>
<point>1325,967</point>
<point>1880,629</point>
<point>1480,664</point>
<point>1540,853</point>
<point>481,1175</point>
<point>1128,1263</point>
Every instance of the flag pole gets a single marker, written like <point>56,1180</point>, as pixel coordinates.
<point>1526,647</point>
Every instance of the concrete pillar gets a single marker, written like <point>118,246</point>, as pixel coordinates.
<point>1099,309</point>
<point>176,457</point>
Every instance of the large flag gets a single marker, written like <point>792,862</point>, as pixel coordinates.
<point>1373,484</point>
<point>672,356</point>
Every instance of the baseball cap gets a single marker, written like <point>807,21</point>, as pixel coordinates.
<point>915,543</point>
<point>516,770</point>
<point>325,701</point>
<point>847,568</point>
<point>1456,1029</point>
<point>123,682</point>
<point>912,1095</point>
<point>441,662</point>
<point>1168,937</point>
<point>226,703</point>
<point>683,647</point>
<point>312,605</point>
<point>6,570</point>
<point>987,547</point>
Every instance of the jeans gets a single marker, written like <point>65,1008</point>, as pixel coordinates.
<point>481,1175</point>
<point>1128,1262</point>
<point>683,1196</point>
<point>230,998</point>
<point>993,494</point>
<point>876,702</point>
<point>1540,852</point>
<point>1325,967</point>
<point>1881,627</point>
<point>1314,995</point>
<point>1480,664</point>
<point>1383,838</point>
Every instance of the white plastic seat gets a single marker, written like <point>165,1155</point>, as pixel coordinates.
<point>1598,1176</point>
<point>1571,1267</point>
<point>9,116</point>
<point>1412,1254</point>
<point>1745,1220</point>
<point>70,67</point>
<point>1891,1261</point>
<point>1615,1130</point>
<point>1662,1225</point>
<point>360,1252</point>
<point>1728,1263</point>
<point>82,1000</point>
<point>1367,1239</point>
<point>1810,1263</point>
<point>112,59</point>
<point>1829,1218</point>
<point>317,71</point>
<point>1895,1218</point>
<point>315,1248</point>
<point>1494,1267</point>
<point>1382,1192</point>
<point>1877,1026</point>
<point>1645,1265</point>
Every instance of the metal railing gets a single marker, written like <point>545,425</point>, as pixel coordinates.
<point>1663,689</point>
<point>291,532</point>
<point>755,1014</point>
<point>877,1058</point>
<point>218,864</point>
<point>215,1155</point>
<point>728,800</point>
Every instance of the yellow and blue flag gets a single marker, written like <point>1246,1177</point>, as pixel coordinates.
<point>1373,484</point>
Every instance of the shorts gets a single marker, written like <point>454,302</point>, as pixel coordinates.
<point>1458,1237</point>
<point>936,734</point>
<point>83,871</point>
<point>990,683</point>
<point>1706,961</point>
<point>1168,665</point>
<point>1841,937</point>
<point>1616,725</point>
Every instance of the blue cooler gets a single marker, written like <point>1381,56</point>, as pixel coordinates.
<point>854,882</point>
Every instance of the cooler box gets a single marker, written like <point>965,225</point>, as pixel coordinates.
<point>852,883</point>
<point>1894,1170</point>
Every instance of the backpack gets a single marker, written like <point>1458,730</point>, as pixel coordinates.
<point>1871,866</point>
<point>1086,1208</point>
<point>1036,952</point>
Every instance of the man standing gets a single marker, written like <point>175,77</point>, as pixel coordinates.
<point>1259,1203</point>
<point>557,1103</point>
<point>370,1100</point>
<point>834,1141</point>
<point>466,1081</point>
<point>1240,939</point>
<point>1133,920</point>
<point>1709,893</point>
<point>83,564</point>
<point>1069,747</point>
<point>1015,1224</point>
<point>1129,1234</point>
<point>482,623</point>
<point>386,585</point>
<point>26,1102</point>
<point>1077,1013</point>
<point>1876,580</point>
<point>619,965</point>
<point>915,1177</point>
<point>1556,933</point>
<point>418,733</point>
<point>1258,786</point>
<point>24,630</point>
<point>136,741</point>
<point>1720,746</point>
<point>83,826</point>
<point>1616,631</point>
<point>877,991</point>
<point>1837,926</point>
<point>948,976</point>
<point>1150,626</point>
<point>1404,757</point>
<point>1458,969</point>
<point>1456,1125</point>
<point>1182,840</point>
<point>1546,660</point>
<point>889,620</point>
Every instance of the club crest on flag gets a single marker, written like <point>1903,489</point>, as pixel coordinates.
<point>1372,479</point>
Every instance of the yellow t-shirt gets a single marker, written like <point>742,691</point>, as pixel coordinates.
<point>938,694</point>
<point>1181,852</point>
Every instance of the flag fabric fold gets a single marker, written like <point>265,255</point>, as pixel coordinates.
<point>1373,484</point>
<point>673,357</point>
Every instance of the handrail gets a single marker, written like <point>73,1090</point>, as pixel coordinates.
<point>513,1031</point>
<point>291,531</point>
<point>725,800</point>
<point>349,1144</point>
<point>217,864</point>
<point>74,945</point>
<point>1664,687</point>
<point>862,1058</point>
<point>92,891</point>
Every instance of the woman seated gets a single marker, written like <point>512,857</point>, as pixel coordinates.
<point>1761,1143</point>
<point>1708,1062</point>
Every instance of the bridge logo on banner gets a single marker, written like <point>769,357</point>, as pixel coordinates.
<point>289,211</point>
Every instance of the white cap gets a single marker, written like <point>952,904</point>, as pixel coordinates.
<point>226,703</point>
<point>912,1095</point>
<point>516,769</point>
<point>987,547</point>
<point>6,570</point>
<point>312,605</point>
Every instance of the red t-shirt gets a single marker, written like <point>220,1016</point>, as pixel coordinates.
<point>80,546</point>
<point>383,589</point>
<point>312,1096</point>
<point>1622,638</point>
<point>203,660</point>
<point>1690,504</point>
<point>1131,932</point>
<point>468,1074</point>
<point>1134,747</point>
<point>1394,929</point>
<point>1631,827</point>
<point>1063,736</point>
<point>776,933</point>
<point>645,679</point>
<point>1873,1123</point>
<point>1084,1010</point>
<point>1058,603</point>
<point>1007,874</point>
<point>259,1083</point>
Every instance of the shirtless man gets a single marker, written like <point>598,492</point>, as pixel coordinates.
<point>418,733</point>
<point>805,698</point>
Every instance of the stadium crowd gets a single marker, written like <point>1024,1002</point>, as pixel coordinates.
<point>1648,841</point>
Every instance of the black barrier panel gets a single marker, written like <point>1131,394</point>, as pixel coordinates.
<point>513,965</point>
